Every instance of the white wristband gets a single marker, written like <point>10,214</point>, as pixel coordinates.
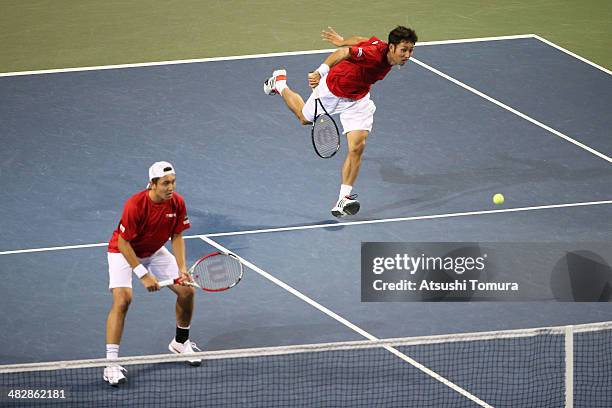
<point>323,69</point>
<point>140,271</point>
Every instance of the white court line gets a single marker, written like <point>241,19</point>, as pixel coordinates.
<point>481,39</point>
<point>57,248</point>
<point>159,63</point>
<point>241,57</point>
<point>415,218</point>
<point>336,225</point>
<point>552,44</point>
<point>350,325</point>
<point>280,54</point>
<point>512,110</point>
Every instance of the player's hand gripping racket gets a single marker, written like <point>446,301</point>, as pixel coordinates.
<point>213,273</point>
<point>325,134</point>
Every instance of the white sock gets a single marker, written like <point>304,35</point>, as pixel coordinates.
<point>112,351</point>
<point>280,86</point>
<point>345,190</point>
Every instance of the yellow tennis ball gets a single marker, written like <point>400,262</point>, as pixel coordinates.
<point>498,199</point>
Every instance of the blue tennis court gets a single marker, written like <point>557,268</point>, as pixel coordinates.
<point>462,122</point>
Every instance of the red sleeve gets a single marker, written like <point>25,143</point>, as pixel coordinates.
<point>128,226</point>
<point>366,52</point>
<point>182,220</point>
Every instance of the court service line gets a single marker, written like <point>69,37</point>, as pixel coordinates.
<point>241,57</point>
<point>337,225</point>
<point>512,110</point>
<point>568,52</point>
<point>350,325</point>
<point>414,218</point>
<point>57,248</point>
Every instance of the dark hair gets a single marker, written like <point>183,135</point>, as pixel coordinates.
<point>400,33</point>
<point>151,182</point>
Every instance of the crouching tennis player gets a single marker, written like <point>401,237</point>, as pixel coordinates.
<point>149,219</point>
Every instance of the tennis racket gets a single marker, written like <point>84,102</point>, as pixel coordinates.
<point>325,134</point>
<point>215,272</point>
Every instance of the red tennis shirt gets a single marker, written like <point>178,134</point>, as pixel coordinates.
<point>353,77</point>
<point>148,225</point>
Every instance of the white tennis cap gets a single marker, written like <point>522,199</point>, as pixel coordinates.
<point>160,169</point>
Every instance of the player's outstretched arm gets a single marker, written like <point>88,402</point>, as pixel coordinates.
<point>334,58</point>
<point>330,35</point>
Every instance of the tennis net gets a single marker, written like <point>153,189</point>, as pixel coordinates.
<point>567,366</point>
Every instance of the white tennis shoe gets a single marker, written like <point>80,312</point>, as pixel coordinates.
<point>114,374</point>
<point>269,86</point>
<point>186,348</point>
<point>346,205</point>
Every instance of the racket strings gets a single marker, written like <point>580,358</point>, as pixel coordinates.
<point>217,272</point>
<point>325,136</point>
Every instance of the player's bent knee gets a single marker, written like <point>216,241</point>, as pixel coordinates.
<point>356,142</point>
<point>122,300</point>
<point>357,149</point>
<point>186,292</point>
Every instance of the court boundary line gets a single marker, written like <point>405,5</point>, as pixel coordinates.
<point>336,225</point>
<point>350,325</point>
<point>414,60</point>
<point>512,110</point>
<point>242,57</point>
<point>568,52</point>
<point>290,53</point>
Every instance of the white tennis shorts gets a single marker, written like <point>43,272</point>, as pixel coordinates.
<point>162,264</point>
<point>355,114</point>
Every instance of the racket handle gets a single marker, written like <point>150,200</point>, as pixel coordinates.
<point>168,282</point>
<point>177,281</point>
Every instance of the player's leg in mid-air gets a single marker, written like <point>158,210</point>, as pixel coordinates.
<point>277,84</point>
<point>355,114</point>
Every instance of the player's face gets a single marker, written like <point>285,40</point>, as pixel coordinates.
<point>400,53</point>
<point>164,187</point>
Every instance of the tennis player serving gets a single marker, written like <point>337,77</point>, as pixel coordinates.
<point>149,218</point>
<point>343,84</point>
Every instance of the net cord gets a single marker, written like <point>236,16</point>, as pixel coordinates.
<point>567,331</point>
